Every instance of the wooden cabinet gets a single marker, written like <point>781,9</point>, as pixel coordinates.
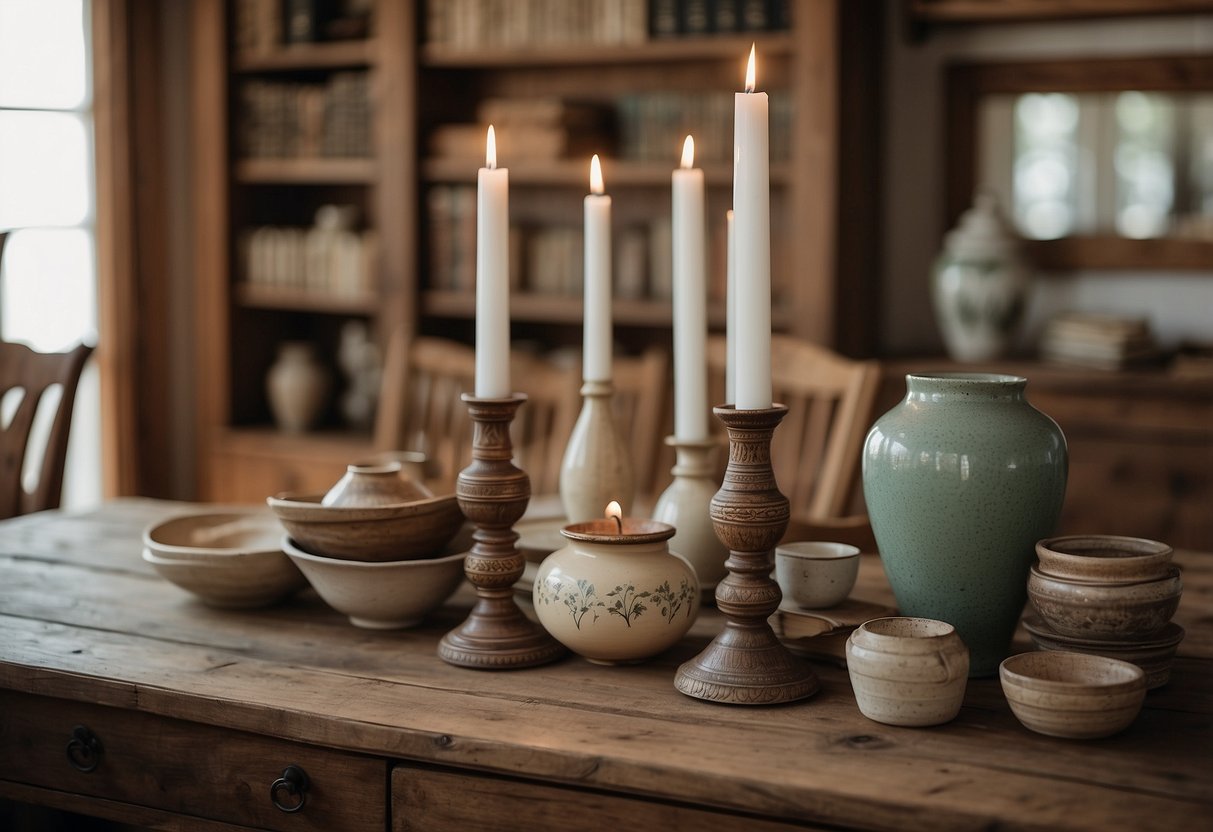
<point>126,758</point>
<point>821,69</point>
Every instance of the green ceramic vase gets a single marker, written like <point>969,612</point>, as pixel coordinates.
<point>961,479</point>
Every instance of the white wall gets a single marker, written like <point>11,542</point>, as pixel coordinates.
<point>1178,306</point>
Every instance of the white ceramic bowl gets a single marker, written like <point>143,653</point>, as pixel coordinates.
<point>210,535</point>
<point>816,574</point>
<point>380,595</point>
<point>1072,695</point>
<point>240,580</point>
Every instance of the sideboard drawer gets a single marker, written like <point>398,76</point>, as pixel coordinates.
<point>186,768</point>
<point>425,800</point>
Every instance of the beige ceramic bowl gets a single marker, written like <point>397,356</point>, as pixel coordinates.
<point>1104,558</point>
<point>377,533</point>
<point>240,580</point>
<point>384,595</point>
<point>211,535</point>
<point>1072,695</point>
<point>1153,655</point>
<point>815,574</point>
<point>1105,612</point>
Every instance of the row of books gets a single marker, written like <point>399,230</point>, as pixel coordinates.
<point>647,127</point>
<point>672,18</point>
<point>261,26</point>
<point>548,259</point>
<point>324,260</point>
<point>473,24</point>
<point>282,119</point>
<point>1106,342</point>
<point>652,126</point>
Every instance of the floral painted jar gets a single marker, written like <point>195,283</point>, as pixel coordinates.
<point>908,671</point>
<point>616,594</point>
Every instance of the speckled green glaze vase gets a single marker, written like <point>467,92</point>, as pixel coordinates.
<point>961,479</point>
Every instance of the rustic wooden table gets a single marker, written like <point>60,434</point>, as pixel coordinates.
<point>198,710</point>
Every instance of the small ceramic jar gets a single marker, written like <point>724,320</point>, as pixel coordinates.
<point>908,671</point>
<point>616,595</point>
<point>367,486</point>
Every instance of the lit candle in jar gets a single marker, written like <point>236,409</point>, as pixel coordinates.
<point>492,276</point>
<point>690,301</point>
<point>752,221</point>
<point>596,333</point>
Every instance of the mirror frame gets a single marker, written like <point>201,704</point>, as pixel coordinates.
<point>968,83</point>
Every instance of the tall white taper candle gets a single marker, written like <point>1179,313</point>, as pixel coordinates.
<point>596,334</point>
<point>492,276</point>
<point>690,301</point>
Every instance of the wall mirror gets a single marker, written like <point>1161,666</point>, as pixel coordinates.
<point>1100,164</point>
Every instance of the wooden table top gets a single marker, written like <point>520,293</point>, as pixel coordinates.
<point>83,617</point>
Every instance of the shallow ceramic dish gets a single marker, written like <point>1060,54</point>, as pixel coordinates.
<point>378,533</point>
<point>384,595</point>
<point>235,581</point>
<point>1072,695</point>
<point>1109,612</point>
<point>1104,558</point>
<point>1153,655</point>
<point>210,535</point>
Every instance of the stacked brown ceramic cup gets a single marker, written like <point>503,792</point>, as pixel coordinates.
<point>1109,596</point>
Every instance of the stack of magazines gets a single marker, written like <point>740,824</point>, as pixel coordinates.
<point>1100,341</point>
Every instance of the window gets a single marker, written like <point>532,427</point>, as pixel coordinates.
<point>48,285</point>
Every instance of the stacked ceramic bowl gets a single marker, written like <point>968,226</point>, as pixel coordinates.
<point>1108,596</point>
<point>378,546</point>
<point>228,559</point>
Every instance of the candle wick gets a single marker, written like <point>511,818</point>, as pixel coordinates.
<point>618,523</point>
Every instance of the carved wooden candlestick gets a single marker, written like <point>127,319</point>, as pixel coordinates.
<point>746,664</point>
<point>493,494</point>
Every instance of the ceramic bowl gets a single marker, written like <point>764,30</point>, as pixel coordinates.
<point>907,671</point>
<point>815,575</point>
<point>240,580</point>
<point>1072,695</point>
<point>375,484</point>
<point>376,533</point>
<point>380,595</point>
<point>1153,655</point>
<point>1105,612</point>
<point>210,535</point>
<point>1104,558</point>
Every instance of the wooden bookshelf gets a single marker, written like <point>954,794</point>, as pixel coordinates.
<point>825,67</point>
<point>243,456</point>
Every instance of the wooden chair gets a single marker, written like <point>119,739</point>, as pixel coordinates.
<point>642,392</point>
<point>817,449</point>
<point>28,381</point>
<point>421,409</point>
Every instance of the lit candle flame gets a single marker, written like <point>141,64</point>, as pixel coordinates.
<point>614,512</point>
<point>688,153</point>
<point>596,186</point>
<point>749,72</point>
<point>490,153</point>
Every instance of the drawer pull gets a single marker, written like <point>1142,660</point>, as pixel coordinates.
<point>294,784</point>
<point>84,749</point>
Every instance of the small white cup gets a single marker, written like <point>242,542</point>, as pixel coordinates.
<point>816,574</point>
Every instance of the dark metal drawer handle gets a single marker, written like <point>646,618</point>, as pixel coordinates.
<point>84,749</point>
<point>294,784</point>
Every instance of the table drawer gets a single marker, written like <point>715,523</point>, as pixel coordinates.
<point>424,800</point>
<point>186,768</point>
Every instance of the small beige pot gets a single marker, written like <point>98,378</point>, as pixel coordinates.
<point>616,598</point>
<point>908,671</point>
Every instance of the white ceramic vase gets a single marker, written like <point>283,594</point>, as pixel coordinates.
<point>616,598</point>
<point>297,386</point>
<point>596,467</point>
<point>685,504</point>
<point>979,285</point>
<point>908,671</point>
